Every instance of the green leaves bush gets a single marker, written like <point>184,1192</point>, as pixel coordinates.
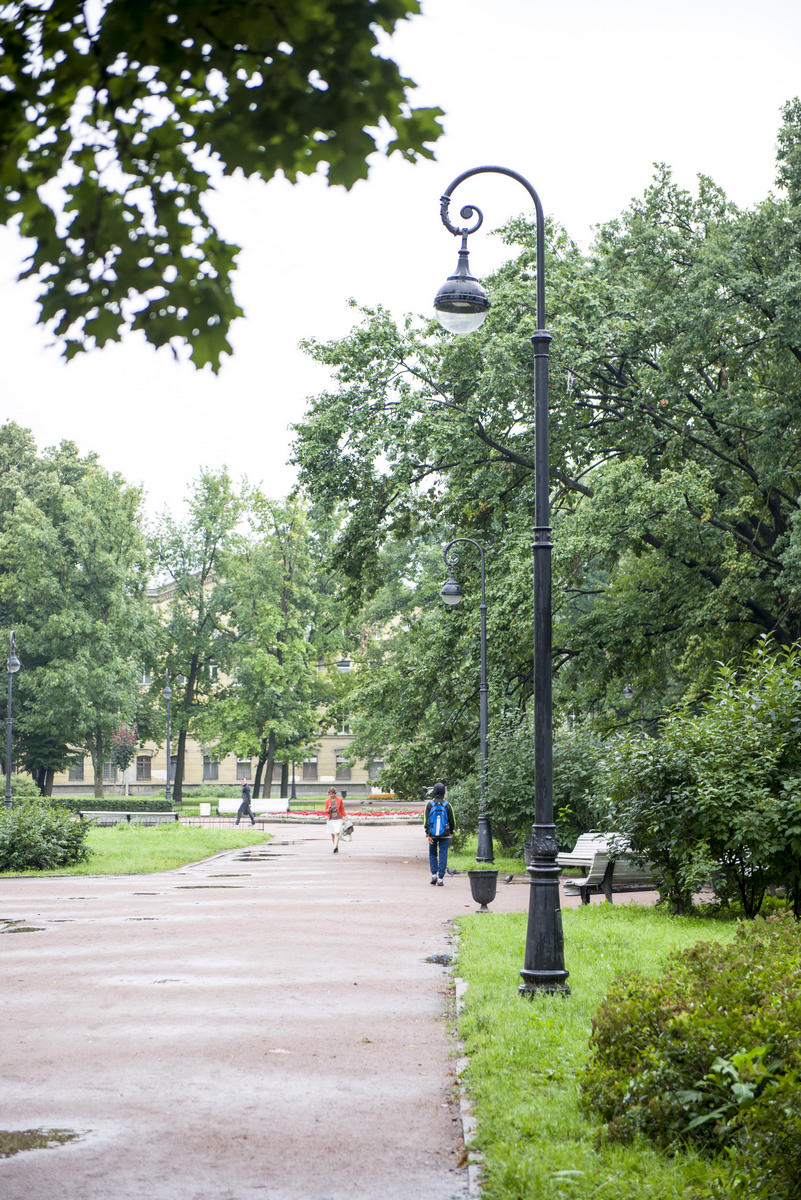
<point>709,1055</point>
<point>36,835</point>
<point>719,793</point>
<point>577,755</point>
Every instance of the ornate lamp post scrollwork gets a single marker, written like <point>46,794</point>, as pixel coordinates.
<point>462,305</point>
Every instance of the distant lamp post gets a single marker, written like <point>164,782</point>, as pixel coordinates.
<point>628,696</point>
<point>461,306</point>
<point>12,666</point>
<point>452,594</point>
<point>292,792</point>
<point>167,694</point>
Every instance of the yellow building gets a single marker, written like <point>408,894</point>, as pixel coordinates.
<point>147,774</point>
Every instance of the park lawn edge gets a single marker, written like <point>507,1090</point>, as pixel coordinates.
<point>524,1057</point>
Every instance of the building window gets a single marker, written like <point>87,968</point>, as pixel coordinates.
<point>343,665</point>
<point>145,679</point>
<point>143,768</point>
<point>375,768</point>
<point>76,772</point>
<point>173,764</point>
<point>243,768</point>
<point>211,767</point>
<point>343,770</point>
<point>343,722</point>
<point>278,770</point>
<point>212,671</point>
<point>310,768</point>
<point>109,771</point>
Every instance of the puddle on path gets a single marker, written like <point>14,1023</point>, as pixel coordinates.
<point>12,1141</point>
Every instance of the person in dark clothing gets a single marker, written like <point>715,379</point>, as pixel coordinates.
<point>439,826</point>
<point>244,808</point>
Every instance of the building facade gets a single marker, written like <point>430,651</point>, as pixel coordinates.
<point>147,773</point>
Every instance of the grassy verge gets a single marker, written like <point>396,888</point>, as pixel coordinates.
<point>526,1056</point>
<point>465,859</point>
<point>139,849</point>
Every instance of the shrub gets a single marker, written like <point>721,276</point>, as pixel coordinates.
<point>76,804</point>
<point>37,835</point>
<point>23,788</point>
<point>710,1055</point>
<point>720,791</point>
<point>464,797</point>
<point>511,800</point>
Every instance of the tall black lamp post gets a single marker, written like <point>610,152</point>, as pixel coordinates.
<point>452,594</point>
<point>12,666</point>
<point>462,304</point>
<point>167,694</point>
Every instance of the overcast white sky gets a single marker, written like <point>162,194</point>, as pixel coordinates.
<point>580,97</point>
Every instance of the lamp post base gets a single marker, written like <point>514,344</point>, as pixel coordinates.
<point>544,966</point>
<point>484,850</point>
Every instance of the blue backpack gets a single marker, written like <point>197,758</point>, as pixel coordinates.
<point>437,818</point>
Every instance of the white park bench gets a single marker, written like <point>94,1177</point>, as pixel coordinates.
<point>229,805</point>
<point>607,870</point>
<point>111,817</point>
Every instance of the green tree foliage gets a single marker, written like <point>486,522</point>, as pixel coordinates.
<point>577,757</point>
<point>709,1055</point>
<point>275,705</point>
<point>720,792</point>
<point>197,634</point>
<point>675,389</point>
<point>115,117</point>
<point>73,585</point>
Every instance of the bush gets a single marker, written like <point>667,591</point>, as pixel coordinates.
<point>464,797</point>
<point>709,1055</point>
<point>23,788</point>
<point>37,835</point>
<point>76,804</point>
<point>576,758</point>
<point>720,791</point>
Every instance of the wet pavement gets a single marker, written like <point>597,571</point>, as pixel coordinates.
<point>269,1023</point>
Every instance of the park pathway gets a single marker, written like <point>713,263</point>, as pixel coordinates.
<point>267,1024</point>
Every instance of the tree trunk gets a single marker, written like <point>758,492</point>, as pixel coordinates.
<point>178,782</point>
<point>260,761</point>
<point>284,780</point>
<point>268,768</point>
<point>95,747</point>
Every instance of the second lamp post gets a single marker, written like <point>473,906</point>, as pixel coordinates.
<point>12,666</point>
<point>452,594</point>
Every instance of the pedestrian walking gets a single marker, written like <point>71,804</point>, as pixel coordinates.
<point>439,825</point>
<point>334,815</point>
<point>244,809</point>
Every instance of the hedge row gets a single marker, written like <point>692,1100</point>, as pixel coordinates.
<point>113,804</point>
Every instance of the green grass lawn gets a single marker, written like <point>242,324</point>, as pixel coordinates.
<point>138,849</point>
<point>526,1056</point>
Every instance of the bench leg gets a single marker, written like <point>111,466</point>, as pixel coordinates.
<point>606,882</point>
<point>585,895</point>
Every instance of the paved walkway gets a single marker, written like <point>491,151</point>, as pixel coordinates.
<point>268,1024</point>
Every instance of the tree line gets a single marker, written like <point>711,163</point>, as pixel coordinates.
<point>244,613</point>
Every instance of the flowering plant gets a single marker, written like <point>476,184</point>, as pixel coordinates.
<point>123,744</point>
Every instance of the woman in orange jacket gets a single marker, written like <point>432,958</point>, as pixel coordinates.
<point>334,815</point>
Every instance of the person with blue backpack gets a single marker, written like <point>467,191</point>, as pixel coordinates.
<point>439,826</point>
